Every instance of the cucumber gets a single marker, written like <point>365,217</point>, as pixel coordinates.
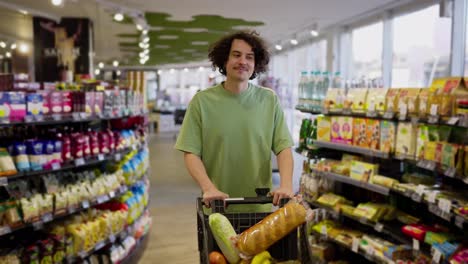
<point>223,233</point>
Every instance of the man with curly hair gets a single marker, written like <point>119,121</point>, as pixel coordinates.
<point>230,129</point>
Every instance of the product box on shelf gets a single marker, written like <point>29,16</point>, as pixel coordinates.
<point>56,102</point>
<point>4,108</point>
<point>391,101</point>
<point>45,101</point>
<point>373,133</point>
<point>342,129</point>
<point>459,90</point>
<point>323,128</point>
<point>421,140</point>
<point>449,155</point>
<point>359,132</point>
<point>98,102</point>
<point>376,100</point>
<point>108,102</point>
<point>17,105</point>
<point>363,171</point>
<point>334,100</point>
<point>406,139</point>
<point>408,99</point>
<point>89,102</point>
<point>67,102</point>
<point>356,100</point>
<point>423,99</point>
<point>34,104</point>
<point>387,136</point>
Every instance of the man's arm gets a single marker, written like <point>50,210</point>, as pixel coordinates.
<point>198,172</point>
<point>285,166</point>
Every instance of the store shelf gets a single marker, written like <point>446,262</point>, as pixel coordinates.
<point>62,119</point>
<point>348,180</point>
<point>137,251</point>
<point>77,163</point>
<point>309,111</point>
<point>352,149</point>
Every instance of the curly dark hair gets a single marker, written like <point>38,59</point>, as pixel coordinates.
<point>219,51</point>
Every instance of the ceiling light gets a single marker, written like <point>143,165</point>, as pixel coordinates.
<point>139,27</point>
<point>2,44</point>
<point>101,65</point>
<point>142,55</point>
<point>97,72</point>
<point>24,12</point>
<point>8,54</point>
<point>145,32</point>
<point>160,72</point>
<point>118,73</point>
<point>185,69</point>
<point>278,47</point>
<point>142,61</point>
<point>201,68</point>
<point>118,17</point>
<point>314,33</point>
<point>56,2</point>
<point>172,71</point>
<point>294,41</point>
<point>23,48</point>
<point>115,63</point>
<point>146,40</point>
<point>141,45</point>
<point>13,46</point>
<point>146,51</point>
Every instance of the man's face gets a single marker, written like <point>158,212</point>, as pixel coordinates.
<point>241,61</point>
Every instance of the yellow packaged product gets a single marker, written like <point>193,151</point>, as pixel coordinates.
<point>458,91</point>
<point>391,101</point>
<point>421,140</point>
<point>406,139</point>
<point>346,209</point>
<point>430,151</point>
<point>383,181</point>
<point>323,128</point>
<point>356,100</point>
<point>342,129</point>
<point>373,133</point>
<point>367,211</point>
<point>359,132</point>
<point>408,98</point>
<point>423,99</point>
<point>387,136</point>
<point>376,100</point>
<point>330,199</point>
<point>363,171</point>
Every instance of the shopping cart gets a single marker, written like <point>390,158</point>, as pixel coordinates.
<point>285,249</point>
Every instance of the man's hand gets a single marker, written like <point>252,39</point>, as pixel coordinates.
<point>280,193</point>
<point>213,194</point>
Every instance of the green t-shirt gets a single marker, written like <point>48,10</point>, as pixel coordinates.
<point>234,136</point>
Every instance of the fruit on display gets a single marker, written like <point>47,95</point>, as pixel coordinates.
<point>262,258</point>
<point>217,258</point>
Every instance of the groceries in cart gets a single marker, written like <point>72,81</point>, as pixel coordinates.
<point>251,245</point>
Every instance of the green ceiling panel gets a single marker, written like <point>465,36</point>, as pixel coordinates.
<point>180,47</point>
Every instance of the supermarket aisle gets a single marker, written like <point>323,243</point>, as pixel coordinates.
<point>173,237</point>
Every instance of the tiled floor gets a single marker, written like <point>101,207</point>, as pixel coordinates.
<point>173,237</point>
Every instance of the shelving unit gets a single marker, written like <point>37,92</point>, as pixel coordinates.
<point>352,149</point>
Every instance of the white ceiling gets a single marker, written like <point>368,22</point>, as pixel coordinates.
<point>282,18</point>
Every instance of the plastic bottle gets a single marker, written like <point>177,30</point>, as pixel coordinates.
<point>337,82</point>
<point>311,88</point>
<point>302,85</point>
<point>325,85</point>
<point>318,88</point>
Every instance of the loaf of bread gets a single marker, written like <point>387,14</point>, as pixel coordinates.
<point>271,229</point>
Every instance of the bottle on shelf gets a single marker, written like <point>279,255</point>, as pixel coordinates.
<point>337,82</point>
<point>303,134</point>
<point>301,88</point>
<point>318,88</point>
<point>325,86</point>
<point>311,88</point>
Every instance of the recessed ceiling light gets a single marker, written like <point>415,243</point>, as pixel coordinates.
<point>118,73</point>
<point>139,27</point>
<point>200,43</point>
<point>101,65</point>
<point>278,47</point>
<point>145,32</point>
<point>142,55</point>
<point>118,17</point>
<point>168,37</point>
<point>97,72</point>
<point>195,30</point>
<point>8,54</point>
<point>146,51</point>
<point>2,44</point>
<point>23,48</point>
<point>314,33</point>
<point>13,46</point>
<point>142,61</point>
<point>22,11</point>
<point>160,72</point>
<point>294,41</point>
<point>201,68</point>
<point>146,40</point>
<point>56,2</point>
<point>115,63</point>
<point>172,71</point>
<point>185,69</point>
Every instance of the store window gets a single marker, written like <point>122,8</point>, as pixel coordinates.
<point>318,56</point>
<point>421,47</point>
<point>367,46</point>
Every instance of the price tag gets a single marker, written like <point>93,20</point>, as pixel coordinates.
<point>83,115</point>
<point>101,157</point>
<point>431,197</point>
<point>416,244</point>
<point>71,210</point>
<point>99,246</point>
<point>323,230</point>
<point>388,115</point>
<point>403,111</point>
<point>112,238</point>
<point>416,197</point>
<point>85,204</point>
<point>450,172</point>
<point>102,199</point>
<point>112,194</point>
<point>355,246</point>
<point>459,221</point>
<point>434,110</point>
<point>28,119</point>
<point>118,156</point>
<point>420,189</point>
<point>134,147</point>
<point>370,251</point>
<point>445,205</point>
<point>379,227</point>
<point>76,116</point>
<point>56,166</point>
<point>39,118</point>
<point>47,218</point>
<point>57,117</point>
<point>453,120</point>
<point>3,181</point>
<point>79,162</point>
<point>38,225</point>
<point>437,256</point>
<point>5,230</point>
<point>346,111</point>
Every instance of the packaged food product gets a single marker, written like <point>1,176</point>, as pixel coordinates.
<point>363,171</point>
<point>334,100</point>
<point>45,101</point>
<point>430,151</point>
<point>89,102</point>
<point>387,136</point>
<point>391,101</point>
<point>4,106</point>
<point>7,167</point>
<point>48,153</point>
<point>21,157</point>
<point>383,181</point>
<point>86,145</point>
<point>34,104</point>
<point>421,140</point>
<point>437,237</point>
<point>98,102</point>
<point>17,105</point>
<point>108,102</point>
<point>359,132</point>
<point>376,100</point>
<point>356,100</point>
<point>323,128</point>
<point>423,99</point>
<point>331,199</point>
<point>341,129</point>
<point>439,152</point>
<point>434,103</point>
<point>373,133</point>
<point>417,231</point>
<point>406,139</point>
<point>56,102</point>
<point>457,90</point>
<point>272,228</point>
<point>408,98</point>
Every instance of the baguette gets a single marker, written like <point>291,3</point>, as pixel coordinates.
<point>271,229</point>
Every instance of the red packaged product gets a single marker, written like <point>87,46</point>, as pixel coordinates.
<point>86,145</point>
<point>104,142</point>
<point>112,140</point>
<point>418,231</point>
<point>77,145</point>
<point>118,141</point>
<point>66,147</point>
<point>94,143</point>
<point>67,102</point>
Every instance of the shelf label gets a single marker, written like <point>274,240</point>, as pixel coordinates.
<point>355,246</point>
<point>388,115</point>
<point>371,108</point>
<point>112,194</point>
<point>379,227</point>
<point>450,172</point>
<point>3,181</point>
<point>99,246</point>
<point>416,244</point>
<point>85,204</point>
<point>57,117</point>
<point>38,225</point>
<point>56,166</point>
<point>323,230</point>
<point>102,199</point>
<point>76,116</point>
<point>118,156</point>
<point>445,205</point>
<point>453,120</point>
<point>431,197</point>
<point>5,230</point>
<point>47,218</point>
<point>420,189</point>
<point>83,115</point>
<point>79,162</point>
<point>459,221</point>
<point>28,119</point>
<point>101,157</point>
<point>437,256</point>
<point>416,197</point>
<point>112,238</point>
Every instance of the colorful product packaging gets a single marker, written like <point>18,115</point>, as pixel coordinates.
<point>408,98</point>
<point>17,105</point>
<point>423,99</point>
<point>98,103</point>
<point>391,101</point>
<point>356,100</point>
<point>89,102</point>
<point>359,132</point>
<point>373,133</point>
<point>56,102</point>
<point>4,108</point>
<point>34,104</point>
<point>323,128</point>
<point>363,171</point>
<point>421,140</point>
<point>387,136</point>
<point>406,139</point>
<point>342,130</point>
<point>334,100</point>
<point>376,100</point>
<point>67,102</point>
